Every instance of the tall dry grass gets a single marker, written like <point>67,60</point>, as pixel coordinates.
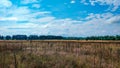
<point>59,54</point>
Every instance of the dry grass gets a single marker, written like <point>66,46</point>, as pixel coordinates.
<point>59,54</point>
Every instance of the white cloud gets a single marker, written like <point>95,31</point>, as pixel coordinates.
<point>114,19</point>
<point>9,19</point>
<point>36,6</point>
<point>28,1</point>
<point>43,19</point>
<point>114,3</point>
<point>43,23</point>
<point>84,2</point>
<point>99,16</point>
<point>23,25</point>
<point>107,18</point>
<point>19,11</point>
<point>95,24</point>
<point>72,1</point>
<point>68,27</point>
<point>24,13</point>
<point>5,3</point>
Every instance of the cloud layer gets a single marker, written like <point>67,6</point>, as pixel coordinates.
<point>113,4</point>
<point>30,18</point>
<point>5,3</point>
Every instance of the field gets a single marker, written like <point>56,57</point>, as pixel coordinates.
<point>59,54</point>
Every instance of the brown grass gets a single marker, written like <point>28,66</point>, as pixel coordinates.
<point>59,54</point>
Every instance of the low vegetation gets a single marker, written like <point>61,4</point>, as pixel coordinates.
<point>52,37</point>
<point>59,54</point>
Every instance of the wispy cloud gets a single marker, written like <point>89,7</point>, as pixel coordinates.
<point>73,1</point>
<point>9,19</point>
<point>28,1</point>
<point>5,3</point>
<point>36,5</point>
<point>114,19</point>
<point>113,4</point>
<point>29,17</point>
<point>84,2</point>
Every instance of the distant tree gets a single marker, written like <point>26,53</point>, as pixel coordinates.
<point>50,37</point>
<point>102,38</point>
<point>1,37</point>
<point>19,37</point>
<point>42,37</point>
<point>33,37</point>
<point>8,37</point>
<point>117,37</point>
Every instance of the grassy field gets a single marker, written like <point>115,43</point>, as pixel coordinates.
<point>59,54</point>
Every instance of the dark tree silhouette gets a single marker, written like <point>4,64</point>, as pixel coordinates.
<point>50,37</point>
<point>8,37</point>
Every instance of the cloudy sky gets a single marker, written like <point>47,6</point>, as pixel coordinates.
<point>60,17</point>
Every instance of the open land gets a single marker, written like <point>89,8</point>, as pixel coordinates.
<point>59,54</point>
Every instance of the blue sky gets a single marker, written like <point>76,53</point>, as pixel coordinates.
<point>60,17</point>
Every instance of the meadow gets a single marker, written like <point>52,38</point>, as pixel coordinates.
<point>59,54</point>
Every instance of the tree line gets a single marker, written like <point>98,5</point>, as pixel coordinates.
<point>30,37</point>
<point>50,37</point>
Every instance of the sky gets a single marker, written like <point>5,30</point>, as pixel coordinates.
<point>75,18</point>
